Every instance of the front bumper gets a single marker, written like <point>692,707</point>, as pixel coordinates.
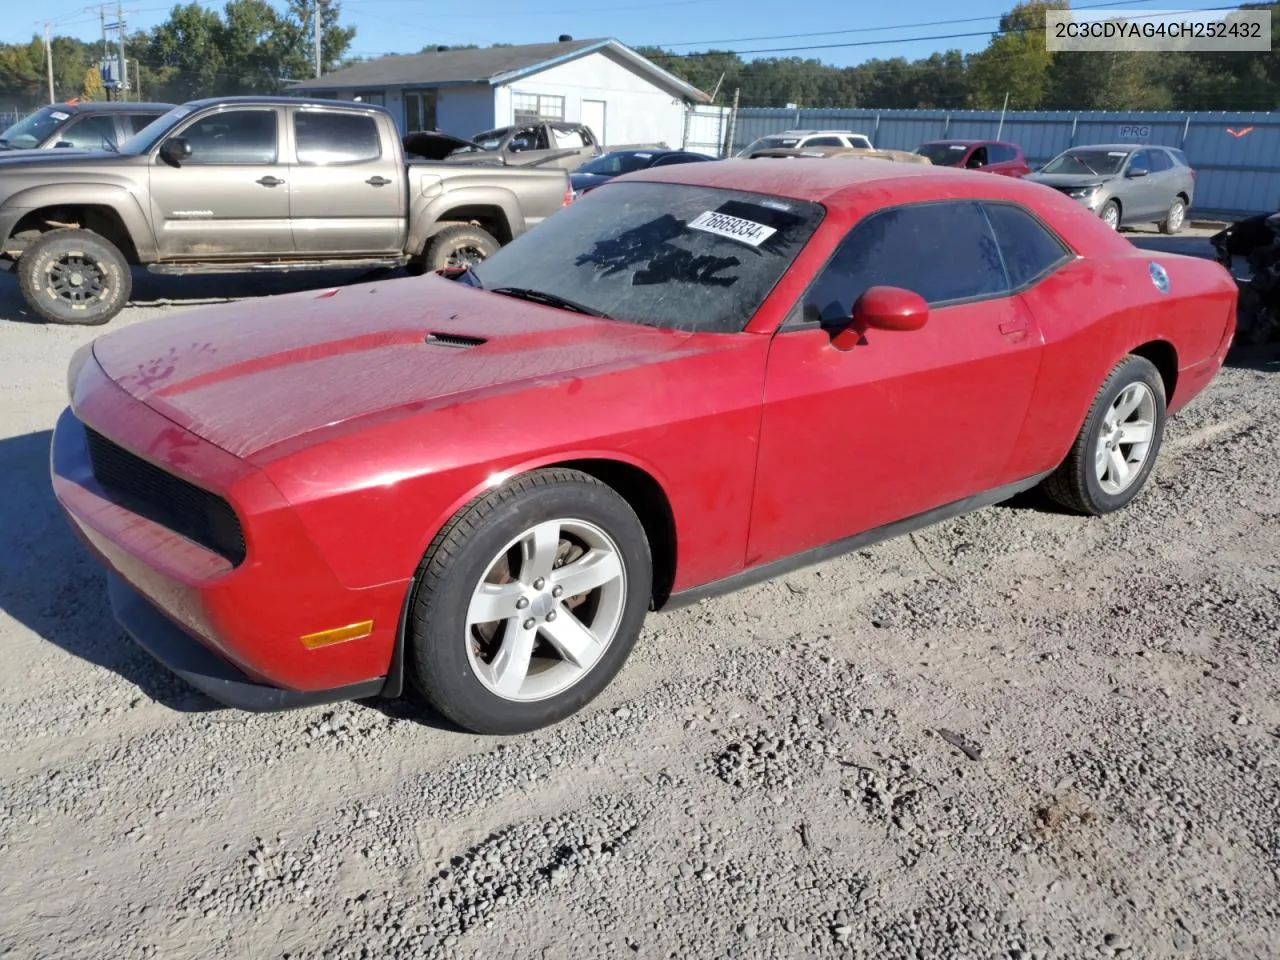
<point>213,676</point>
<point>231,627</point>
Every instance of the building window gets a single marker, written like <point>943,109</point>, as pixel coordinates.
<point>419,110</point>
<point>377,97</point>
<point>532,107</point>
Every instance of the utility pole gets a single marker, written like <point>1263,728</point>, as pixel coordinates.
<point>317,29</point>
<point>124,68</point>
<point>48,59</point>
<point>102,16</point>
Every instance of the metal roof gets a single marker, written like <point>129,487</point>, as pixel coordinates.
<point>491,65</point>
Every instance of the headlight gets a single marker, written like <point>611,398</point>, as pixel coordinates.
<point>78,360</point>
<point>1084,193</point>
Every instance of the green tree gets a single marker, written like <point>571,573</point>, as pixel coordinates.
<point>1016,61</point>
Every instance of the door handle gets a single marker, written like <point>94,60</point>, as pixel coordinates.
<point>270,182</point>
<point>1014,330</point>
<point>377,181</point>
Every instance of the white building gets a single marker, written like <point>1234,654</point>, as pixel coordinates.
<point>623,97</point>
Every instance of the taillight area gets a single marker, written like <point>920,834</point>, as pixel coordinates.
<point>568,197</point>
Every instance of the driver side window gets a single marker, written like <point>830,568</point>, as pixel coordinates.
<point>1140,161</point>
<point>944,251</point>
<point>233,136</point>
<point>978,158</point>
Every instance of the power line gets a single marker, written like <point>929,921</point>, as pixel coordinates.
<point>900,26</point>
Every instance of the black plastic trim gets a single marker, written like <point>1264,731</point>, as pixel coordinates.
<point>209,673</point>
<point>776,568</point>
<point>395,682</point>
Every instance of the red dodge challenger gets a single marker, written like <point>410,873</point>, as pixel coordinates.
<point>475,485</point>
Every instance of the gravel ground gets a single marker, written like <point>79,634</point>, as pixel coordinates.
<point>1018,734</point>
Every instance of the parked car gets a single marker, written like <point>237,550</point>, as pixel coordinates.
<point>1255,241</point>
<point>901,156</point>
<point>807,139</point>
<point>476,484</point>
<point>989,156</point>
<point>87,126</point>
<point>617,162</point>
<point>1125,183</point>
<point>250,184</point>
<point>566,145</point>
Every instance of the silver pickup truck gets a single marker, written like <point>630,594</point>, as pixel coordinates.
<point>241,184</point>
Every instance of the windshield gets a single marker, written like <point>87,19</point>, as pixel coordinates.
<point>943,154</point>
<point>146,138</point>
<point>612,164</point>
<point>35,129</point>
<point>772,143</point>
<point>665,255</point>
<point>1087,161</point>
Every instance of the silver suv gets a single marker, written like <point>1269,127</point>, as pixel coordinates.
<point>1125,183</point>
<point>806,139</point>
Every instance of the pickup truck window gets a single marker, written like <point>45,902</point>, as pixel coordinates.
<point>325,137</point>
<point>665,255</point>
<point>150,135</point>
<point>233,136</point>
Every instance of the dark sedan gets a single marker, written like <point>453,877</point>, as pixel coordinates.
<point>604,168</point>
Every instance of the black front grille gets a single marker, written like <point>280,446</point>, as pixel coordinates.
<point>145,489</point>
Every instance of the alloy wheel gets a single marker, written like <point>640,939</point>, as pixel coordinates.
<point>1125,438</point>
<point>546,610</point>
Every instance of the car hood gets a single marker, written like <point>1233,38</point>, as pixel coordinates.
<point>40,156</point>
<point>1072,180</point>
<point>433,145</point>
<point>253,375</point>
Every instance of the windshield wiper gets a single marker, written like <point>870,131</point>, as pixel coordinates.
<point>1085,165</point>
<point>550,299</point>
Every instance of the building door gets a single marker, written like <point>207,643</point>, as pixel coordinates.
<point>419,110</point>
<point>593,118</point>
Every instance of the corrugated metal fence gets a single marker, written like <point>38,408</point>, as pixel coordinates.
<point>1236,155</point>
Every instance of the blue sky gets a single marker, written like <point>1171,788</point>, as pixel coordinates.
<point>850,35</point>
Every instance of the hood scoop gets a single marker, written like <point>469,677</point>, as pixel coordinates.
<point>458,341</point>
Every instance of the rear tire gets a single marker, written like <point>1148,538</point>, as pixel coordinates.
<point>463,245</point>
<point>74,276</point>
<point>530,600</point>
<point>1116,449</point>
<point>1176,218</point>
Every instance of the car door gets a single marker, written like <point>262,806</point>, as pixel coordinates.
<point>1164,179</point>
<point>230,198</point>
<point>904,422</point>
<point>347,193</point>
<point>1140,194</point>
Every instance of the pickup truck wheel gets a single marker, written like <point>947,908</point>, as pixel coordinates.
<point>460,246</point>
<point>74,277</point>
<point>529,601</point>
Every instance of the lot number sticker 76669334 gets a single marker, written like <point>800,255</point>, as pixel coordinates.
<point>734,228</point>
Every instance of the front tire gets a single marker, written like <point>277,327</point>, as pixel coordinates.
<point>530,600</point>
<point>74,276</point>
<point>1110,214</point>
<point>1116,449</point>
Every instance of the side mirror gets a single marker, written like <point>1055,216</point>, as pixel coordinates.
<point>1140,172</point>
<point>175,150</point>
<point>63,144</point>
<point>883,308</point>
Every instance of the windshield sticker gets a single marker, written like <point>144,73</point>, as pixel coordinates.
<point>59,116</point>
<point>644,156</point>
<point>1117,153</point>
<point>956,146</point>
<point>733,228</point>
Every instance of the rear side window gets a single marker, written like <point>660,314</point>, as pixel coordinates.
<point>1028,249</point>
<point>324,138</point>
<point>1180,157</point>
<point>1001,153</point>
<point>945,252</point>
<point>824,142</point>
<point>861,143</point>
<point>1160,161</point>
<point>91,133</point>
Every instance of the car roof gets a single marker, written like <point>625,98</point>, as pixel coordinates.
<point>815,181</point>
<point>113,106</point>
<point>1115,146</point>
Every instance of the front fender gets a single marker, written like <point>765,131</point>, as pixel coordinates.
<point>114,196</point>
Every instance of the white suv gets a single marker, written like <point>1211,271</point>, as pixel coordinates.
<point>805,139</point>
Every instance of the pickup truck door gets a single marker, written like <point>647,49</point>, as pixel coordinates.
<point>230,198</point>
<point>348,192</point>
